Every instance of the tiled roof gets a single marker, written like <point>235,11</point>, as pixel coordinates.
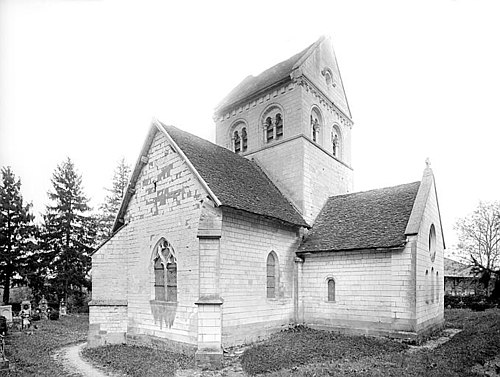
<point>457,269</point>
<point>364,220</point>
<point>251,85</point>
<point>236,181</point>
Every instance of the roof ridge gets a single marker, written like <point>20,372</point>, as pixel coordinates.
<point>373,190</point>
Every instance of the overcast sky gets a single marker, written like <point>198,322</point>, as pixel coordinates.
<point>83,78</point>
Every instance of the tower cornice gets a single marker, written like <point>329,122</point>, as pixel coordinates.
<point>326,102</point>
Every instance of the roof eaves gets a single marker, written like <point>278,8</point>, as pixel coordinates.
<point>375,248</point>
<point>141,161</point>
<point>224,107</point>
<point>292,223</point>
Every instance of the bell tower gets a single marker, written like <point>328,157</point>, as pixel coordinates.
<point>294,120</point>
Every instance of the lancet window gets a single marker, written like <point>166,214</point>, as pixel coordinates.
<point>165,271</point>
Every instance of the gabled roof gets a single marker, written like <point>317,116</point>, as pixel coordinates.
<point>252,85</point>
<point>364,220</point>
<point>230,179</point>
<point>236,181</point>
<point>456,269</point>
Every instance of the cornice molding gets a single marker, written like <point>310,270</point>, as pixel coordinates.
<point>328,104</point>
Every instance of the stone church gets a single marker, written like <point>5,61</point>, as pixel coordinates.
<point>220,244</point>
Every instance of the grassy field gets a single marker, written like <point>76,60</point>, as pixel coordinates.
<point>315,353</point>
<point>296,352</point>
<point>29,353</point>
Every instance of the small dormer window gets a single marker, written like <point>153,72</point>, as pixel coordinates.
<point>237,142</point>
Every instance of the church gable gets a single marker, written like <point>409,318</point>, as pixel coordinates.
<point>320,67</point>
<point>235,181</point>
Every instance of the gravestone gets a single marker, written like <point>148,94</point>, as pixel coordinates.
<point>6,311</point>
<point>25,314</point>
<point>4,363</point>
<point>62,308</point>
<point>43,307</point>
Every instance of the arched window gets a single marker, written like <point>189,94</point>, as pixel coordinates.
<point>269,129</point>
<point>271,275</point>
<point>279,126</point>
<point>165,271</point>
<point>272,122</point>
<point>438,287</point>
<point>432,242</point>
<point>316,122</point>
<point>244,139</point>
<point>433,285</point>
<point>237,142</point>
<point>427,285</point>
<point>331,289</point>
<point>336,142</point>
<point>239,136</point>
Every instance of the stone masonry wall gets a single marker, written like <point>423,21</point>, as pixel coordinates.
<point>323,177</point>
<point>108,308</point>
<point>167,204</point>
<point>371,297</point>
<point>430,274</point>
<point>245,244</point>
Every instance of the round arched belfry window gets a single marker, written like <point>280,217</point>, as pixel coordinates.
<point>432,242</point>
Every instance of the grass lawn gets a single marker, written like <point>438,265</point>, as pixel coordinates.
<point>315,353</point>
<point>29,354</point>
<point>137,361</point>
<point>296,352</point>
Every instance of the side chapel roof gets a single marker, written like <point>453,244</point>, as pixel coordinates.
<point>363,220</point>
<point>253,85</point>
<point>233,180</point>
<point>456,269</point>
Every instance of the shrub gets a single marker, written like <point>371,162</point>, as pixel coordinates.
<point>476,302</point>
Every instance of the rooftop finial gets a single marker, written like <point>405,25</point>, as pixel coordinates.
<point>428,162</point>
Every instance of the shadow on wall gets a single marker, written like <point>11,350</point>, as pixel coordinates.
<point>163,312</point>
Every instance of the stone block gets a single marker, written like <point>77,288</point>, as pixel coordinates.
<point>209,358</point>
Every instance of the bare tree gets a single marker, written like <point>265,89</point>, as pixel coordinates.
<point>479,240</point>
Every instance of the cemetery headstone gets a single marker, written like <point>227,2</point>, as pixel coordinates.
<point>43,307</point>
<point>62,308</point>
<point>6,311</point>
<point>25,314</point>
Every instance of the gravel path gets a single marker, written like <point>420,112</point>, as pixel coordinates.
<point>71,360</point>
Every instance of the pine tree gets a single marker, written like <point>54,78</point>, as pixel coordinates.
<point>17,231</point>
<point>68,233</point>
<point>112,202</point>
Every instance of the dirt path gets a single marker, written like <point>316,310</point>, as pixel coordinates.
<point>71,360</point>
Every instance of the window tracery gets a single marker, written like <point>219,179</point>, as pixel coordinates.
<point>165,272</point>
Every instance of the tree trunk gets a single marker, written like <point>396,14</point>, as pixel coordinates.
<point>6,284</point>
